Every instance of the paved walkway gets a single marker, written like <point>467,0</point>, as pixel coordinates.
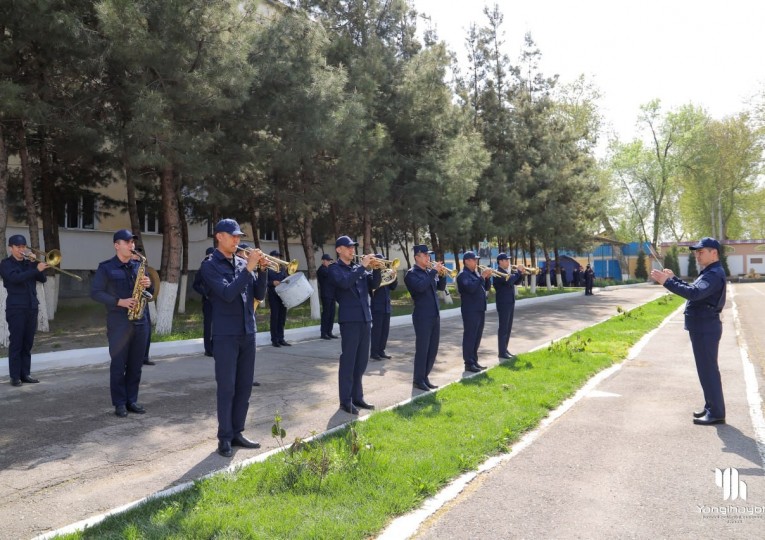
<point>64,456</point>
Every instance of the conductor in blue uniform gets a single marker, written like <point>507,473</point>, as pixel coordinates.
<point>20,278</point>
<point>113,285</point>
<point>327,295</point>
<point>422,281</point>
<point>352,284</point>
<point>278,309</point>
<point>705,301</point>
<point>381,311</point>
<point>505,302</point>
<point>233,284</point>
<point>472,287</point>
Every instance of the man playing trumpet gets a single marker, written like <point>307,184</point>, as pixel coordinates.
<point>505,288</point>
<point>472,287</point>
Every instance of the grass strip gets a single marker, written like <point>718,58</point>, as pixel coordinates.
<point>350,484</point>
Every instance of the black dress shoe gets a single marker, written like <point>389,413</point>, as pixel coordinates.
<point>15,382</point>
<point>149,363</point>
<point>208,353</point>
<point>708,420</point>
<point>244,442</point>
<point>375,357</point>
<point>255,383</point>
<point>350,409</point>
<point>333,336</point>
<point>325,337</point>
<point>506,355</point>
<point>479,366</point>
<point>421,386</point>
<point>135,408</point>
<point>364,405</point>
<point>430,384</point>
<point>120,411</point>
<point>699,414</point>
<point>386,356</point>
<point>284,343</point>
<point>29,380</point>
<point>275,344</point>
<point>472,368</point>
<point>224,449</point>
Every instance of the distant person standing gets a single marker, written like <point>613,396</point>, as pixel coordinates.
<point>199,286</point>
<point>233,285</point>
<point>278,309</point>
<point>472,287</point>
<point>381,311</point>
<point>423,280</point>
<point>114,285</point>
<point>20,277</point>
<point>327,296</point>
<point>589,280</point>
<point>705,301</point>
<point>505,302</point>
<point>352,282</point>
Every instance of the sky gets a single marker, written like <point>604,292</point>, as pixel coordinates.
<point>709,53</point>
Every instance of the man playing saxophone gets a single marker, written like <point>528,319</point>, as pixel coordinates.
<point>119,286</point>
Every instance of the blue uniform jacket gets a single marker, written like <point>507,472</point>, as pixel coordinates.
<point>472,289</point>
<point>352,285</point>
<point>422,285</point>
<point>199,284</point>
<point>19,278</point>
<point>115,280</point>
<point>381,297</point>
<point>504,288</point>
<point>706,295</point>
<point>232,290</point>
<point>326,288</point>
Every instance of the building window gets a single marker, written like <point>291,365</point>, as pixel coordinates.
<point>149,217</point>
<point>77,212</point>
<point>268,230</point>
<point>756,261</point>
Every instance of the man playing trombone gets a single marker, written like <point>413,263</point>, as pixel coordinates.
<point>505,288</point>
<point>472,287</point>
<point>352,284</point>
<point>422,281</point>
<point>20,274</point>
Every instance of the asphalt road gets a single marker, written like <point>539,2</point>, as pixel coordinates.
<point>64,456</point>
<point>626,461</point>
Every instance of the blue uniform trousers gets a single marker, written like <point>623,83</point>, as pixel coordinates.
<point>278,318</point>
<point>148,334</point>
<point>207,322</point>
<point>354,358</point>
<point>705,340</point>
<point>380,332</point>
<point>22,325</point>
<point>427,332</point>
<point>504,326</point>
<point>127,346</point>
<point>234,371</point>
<point>473,322</point>
<point>327,315</point>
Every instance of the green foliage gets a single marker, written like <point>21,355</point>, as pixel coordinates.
<point>724,262</point>
<point>641,272</point>
<point>693,269</point>
<point>569,346</point>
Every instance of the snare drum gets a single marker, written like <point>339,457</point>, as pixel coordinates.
<point>294,290</point>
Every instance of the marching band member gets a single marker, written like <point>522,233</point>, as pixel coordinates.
<point>505,302</point>
<point>352,284</point>
<point>472,288</point>
<point>114,285</point>
<point>20,278</point>
<point>199,286</point>
<point>422,281</point>
<point>233,285</point>
<point>278,309</point>
<point>381,317</point>
<point>327,295</point>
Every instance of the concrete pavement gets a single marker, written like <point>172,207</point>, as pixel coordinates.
<point>64,456</point>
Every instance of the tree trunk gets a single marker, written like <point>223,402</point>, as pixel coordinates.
<point>49,222</point>
<point>132,207</point>
<point>172,268</point>
<point>335,221</point>
<point>3,225</point>
<point>184,256</point>
<point>255,223</point>
<point>308,251</point>
<point>558,272</point>
<point>366,221</point>
<point>533,254</point>
<point>281,233</point>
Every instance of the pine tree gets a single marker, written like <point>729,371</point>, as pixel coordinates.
<point>640,270</point>
<point>693,269</point>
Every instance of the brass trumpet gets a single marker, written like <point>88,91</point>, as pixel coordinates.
<point>445,271</point>
<point>52,259</point>
<point>380,263</point>
<point>494,273</point>
<point>528,270</point>
<point>274,264</point>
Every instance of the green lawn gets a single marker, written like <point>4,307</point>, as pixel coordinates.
<point>352,483</point>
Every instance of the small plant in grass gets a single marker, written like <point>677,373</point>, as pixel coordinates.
<point>664,300</point>
<point>569,346</point>
<point>624,314</point>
